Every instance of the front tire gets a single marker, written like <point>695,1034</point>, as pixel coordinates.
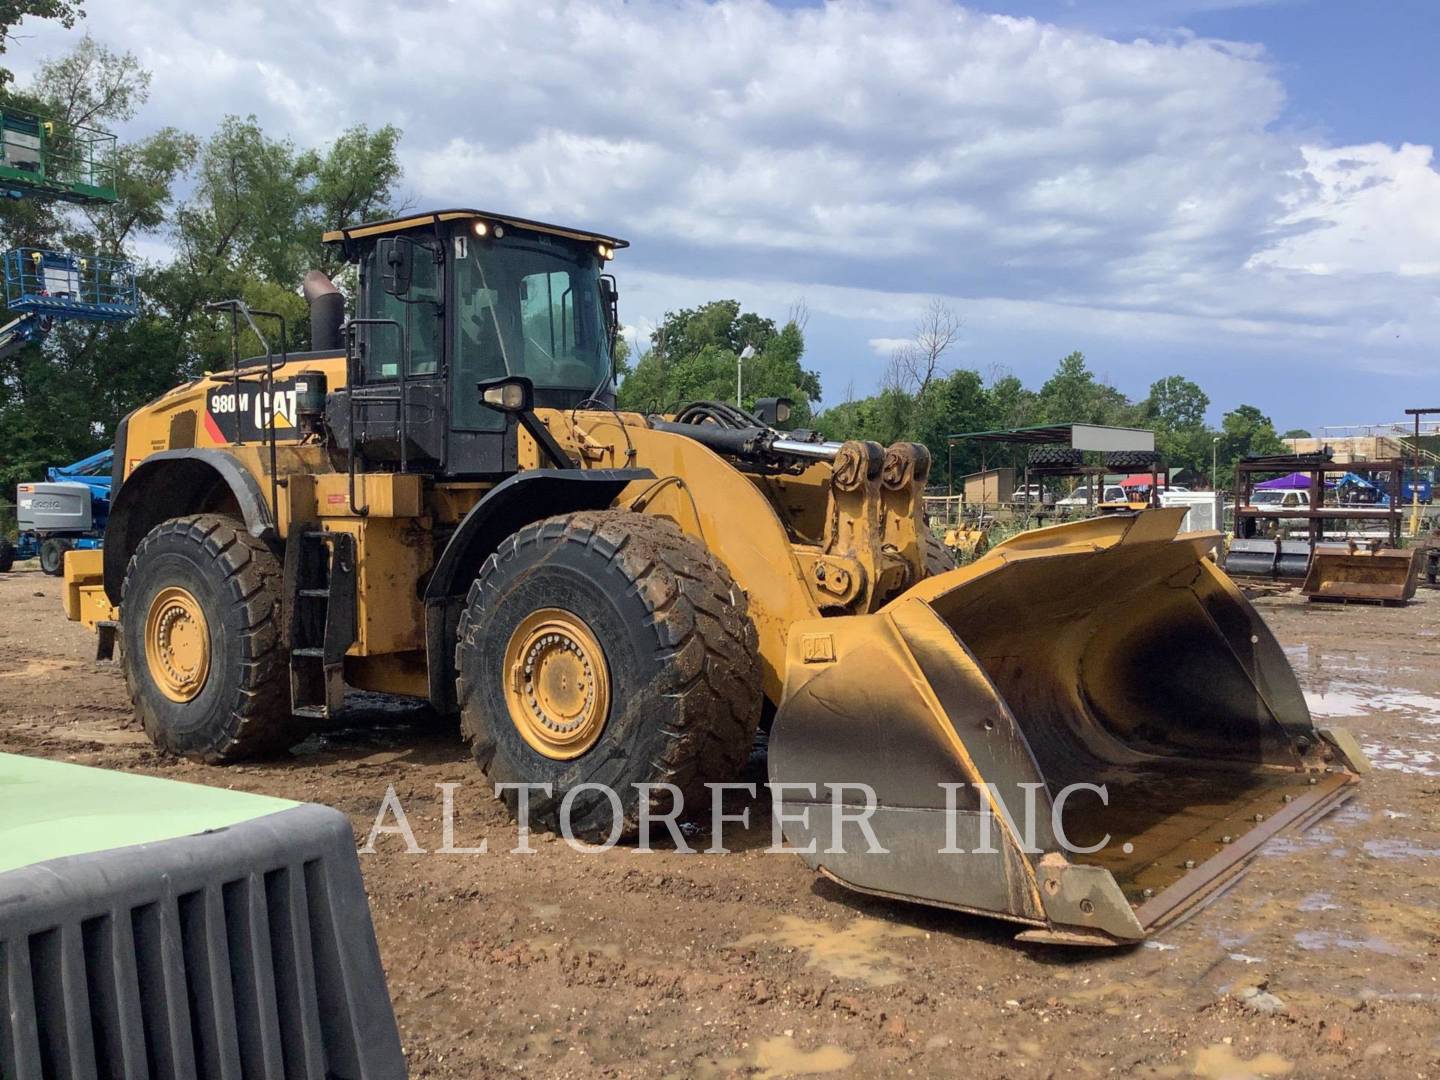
<point>606,648</point>
<point>52,556</point>
<point>204,660</point>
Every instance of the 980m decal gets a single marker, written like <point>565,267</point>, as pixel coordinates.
<point>249,413</point>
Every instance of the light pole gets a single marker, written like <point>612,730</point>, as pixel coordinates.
<point>1215,484</point>
<point>747,353</point>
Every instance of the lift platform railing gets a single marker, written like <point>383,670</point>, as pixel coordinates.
<point>56,159</point>
<point>69,285</point>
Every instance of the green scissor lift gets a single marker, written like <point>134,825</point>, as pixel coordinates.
<point>55,160</point>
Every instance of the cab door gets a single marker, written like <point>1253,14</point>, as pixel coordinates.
<point>398,402</point>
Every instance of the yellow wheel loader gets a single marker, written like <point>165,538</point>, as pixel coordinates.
<point>1087,730</point>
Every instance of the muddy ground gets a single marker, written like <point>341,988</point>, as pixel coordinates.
<point>562,963</point>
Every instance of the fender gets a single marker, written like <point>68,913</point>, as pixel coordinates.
<point>521,500</point>
<point>171,483</point>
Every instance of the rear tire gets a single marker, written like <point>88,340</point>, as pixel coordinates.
<point>938,558</point>
<point>52,556</point>
<point>667,644</point>
<point>204,659</point>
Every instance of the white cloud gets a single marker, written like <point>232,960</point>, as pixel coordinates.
<point>1373,211</point>
<point>862,154</point>
<point>885,347</point>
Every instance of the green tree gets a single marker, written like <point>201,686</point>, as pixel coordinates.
<point>693,356</point>
<point>1245,432</point>
<point>1175,411</point>
<point>65,12</point>
<point>1297,433</point>
<point>1074,396</point>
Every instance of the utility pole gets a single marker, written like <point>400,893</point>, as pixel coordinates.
<point>747,353</point>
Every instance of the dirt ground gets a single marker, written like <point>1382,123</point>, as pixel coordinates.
<point>562,963</point>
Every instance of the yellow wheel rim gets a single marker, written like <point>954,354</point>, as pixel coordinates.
<point>177,644</point>
<point>557,685</point>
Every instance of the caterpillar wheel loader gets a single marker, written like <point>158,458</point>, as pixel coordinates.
<point>442,500</point>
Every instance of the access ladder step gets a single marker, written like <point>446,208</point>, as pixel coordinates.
<point>320,571</point>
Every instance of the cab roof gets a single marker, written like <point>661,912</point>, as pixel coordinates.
<point>411,221</point>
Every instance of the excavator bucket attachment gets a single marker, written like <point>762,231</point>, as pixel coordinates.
<point>1089,731</point>
<point>968,543</point>
<point>1352,572</point>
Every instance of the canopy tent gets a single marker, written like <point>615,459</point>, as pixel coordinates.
<point>1294,480</point>
<point>1140,480</point>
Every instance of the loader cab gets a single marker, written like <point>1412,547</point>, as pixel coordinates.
<point>451,300</point>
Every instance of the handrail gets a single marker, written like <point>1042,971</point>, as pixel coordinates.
<point>267,431</point>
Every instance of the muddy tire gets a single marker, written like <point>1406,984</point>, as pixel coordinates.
<point>52,556</point>
<point>938,558</point>
<point>608,648</point>
<point>7,555</point>
<point>204,657</point>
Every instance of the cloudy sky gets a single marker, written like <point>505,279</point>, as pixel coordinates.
<point>1244,193</point>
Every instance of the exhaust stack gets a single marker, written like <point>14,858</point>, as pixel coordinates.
<point>327,310</point>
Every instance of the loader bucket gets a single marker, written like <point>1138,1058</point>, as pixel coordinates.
<point>1351,572</point>
<point>958,720</point>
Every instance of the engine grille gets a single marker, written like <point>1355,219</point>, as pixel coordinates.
<point>245,952</point>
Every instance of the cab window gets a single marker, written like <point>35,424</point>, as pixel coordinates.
<point>418,311</point>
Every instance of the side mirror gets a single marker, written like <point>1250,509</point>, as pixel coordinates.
<point>774,411</point>
<point>610,301</point>
<point>512,394</point>
<point>397,265</point>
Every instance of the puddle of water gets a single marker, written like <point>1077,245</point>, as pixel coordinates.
<point>1296,844</point>
<point>777,1057</point>
<point>1246,958</point>
<point>1322,940</point>
<point>852,953</point>
<point>782,1057</point>
<point>1220,1062</point>
<point>1399,849</point>
<point>551,943</point>
<point>1318,901</point>
<point>1402,760</point>
<point>1347,699</point>
<point>1337,703</point>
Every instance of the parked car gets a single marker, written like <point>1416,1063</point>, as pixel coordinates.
<point>1078,499</point>
<point>1034,494</point>
<point>1280,499</point>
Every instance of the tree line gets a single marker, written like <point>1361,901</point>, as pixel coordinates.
<point>693,355</point>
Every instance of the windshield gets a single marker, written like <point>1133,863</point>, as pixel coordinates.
<point>1268,498</point>
<point>528,306</point>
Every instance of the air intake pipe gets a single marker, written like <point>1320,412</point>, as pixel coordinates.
<point>327,311</point>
